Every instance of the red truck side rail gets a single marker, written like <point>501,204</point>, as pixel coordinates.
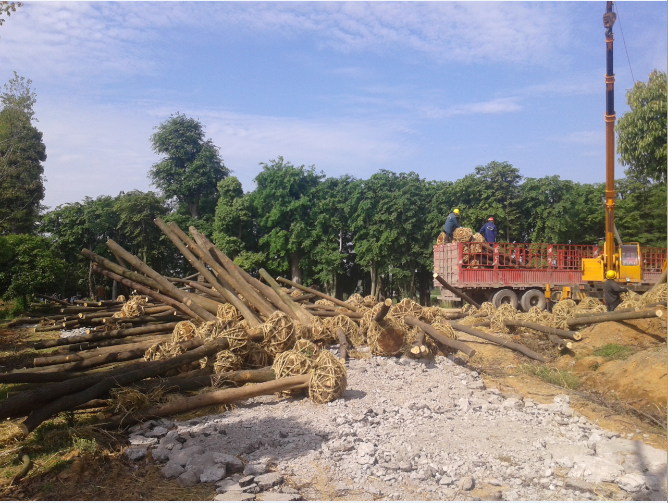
<point>524,265</point>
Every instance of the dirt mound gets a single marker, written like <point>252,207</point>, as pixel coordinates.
<point>640,333</point>
<point>639,379</point>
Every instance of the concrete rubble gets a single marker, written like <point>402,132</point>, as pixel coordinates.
<point>405,429</point>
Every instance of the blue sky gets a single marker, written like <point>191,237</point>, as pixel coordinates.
<point>436,87</point>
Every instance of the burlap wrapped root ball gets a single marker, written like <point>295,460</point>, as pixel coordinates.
<point>563,310</point>
<point>307,348</point>
<point>462,235</point>
<point>590,305</point>
<point>132,308</point>
<point>387,337</point>
<point>405,308</point>
<point>349,327</point>
<point>257,357</point>
<point>184,331</point>
<point>227,361</point>
<point>328,379</point>
<point>279,333</point>
<point>504,312</point>
<point>228,313</point>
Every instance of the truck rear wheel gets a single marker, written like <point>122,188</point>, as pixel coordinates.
<point>504,296</point>
<point>533,298</point>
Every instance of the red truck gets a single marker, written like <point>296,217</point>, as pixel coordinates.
<point>529,274</point>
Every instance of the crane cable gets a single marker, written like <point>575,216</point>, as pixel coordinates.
<point>624,40</point>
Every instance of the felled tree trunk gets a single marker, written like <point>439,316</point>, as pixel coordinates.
<point>446,341</point>
<point>615,316</point>
<point>498,340</point>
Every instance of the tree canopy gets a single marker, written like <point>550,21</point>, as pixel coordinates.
<point>641,132</point>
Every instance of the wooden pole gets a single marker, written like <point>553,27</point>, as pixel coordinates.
<point>343,344</point>
<point>456,291</point>
<point>615,316</point>
<point>53,299</point>
<point>435,334</point>
<point>149,369</point>
<point>303,315</point>
<point>197,264</point>
<point>576,336</point>
<point>111,334</point>
<point>498,340</point>
<point>207,399</point>
<point>203,378</point>
<point>382,312</point>
<point>316,292</point>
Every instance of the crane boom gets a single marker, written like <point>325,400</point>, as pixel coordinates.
<point>610,116</point>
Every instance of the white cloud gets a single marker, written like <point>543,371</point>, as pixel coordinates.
<point>103,150</point>
<point>495,106</point>
<point>587,138</point>
<point>79,40</point>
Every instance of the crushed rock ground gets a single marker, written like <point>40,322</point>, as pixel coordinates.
<point>405,430</point>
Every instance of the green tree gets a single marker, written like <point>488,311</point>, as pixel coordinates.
<point>640,212</point>
<point>30,265</point>
<point>6,8</point>
<point>191,167</point>
<point>546,210</point>
<point>234,227</point>
<point>641,132</point>
<point>283,204</point>
<point>22,152</point>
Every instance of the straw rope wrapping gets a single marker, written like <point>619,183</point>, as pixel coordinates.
<point>120,298</point>
<point>211,330</point>
<point>562,311</point>
<point>366,319</point>
<point>257,357</point>
<point>504,312</point>
<point>163,351</point>
<point>651,297</point>
<point>349,327</point>
<point>128,400</point>
<point>462,235</point>
<point>469,309</point>
<point>183,331</point>
<point>227,361</point>
<point>307,348</point>
<point>590,305</point>
<point>227,312</point>
<point>328,379</point>
<point>296,293</point>
<point>370,299</point>
<point>132,308</point>
<point>279,333</point>
<point>487,308</point>
<point>375,330</point>
<point>291,363</point>
<point>324,302</point>
<point>320,332</point>
<point>237,338</point>
<point>430,314</point>
<point>355,299</point>
<point>445,328</point>
<point>405,308</point>
<point>440,239</point>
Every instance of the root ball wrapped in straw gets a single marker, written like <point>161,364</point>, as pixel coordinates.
<point>563,310</point>
<point>386,338</point>
<point>349,327</point>
<point>184,331</point>
<point>279,333</point>
<point>462,235</point>
<point>291,363</point>
<point>257,357</point>
<point>307,348</point>
<point>355,299</point>
<point>655,295</point>
<point>405,308</point>
<point>132,308</point>
<point>328,379</point>
<point>228,313</point>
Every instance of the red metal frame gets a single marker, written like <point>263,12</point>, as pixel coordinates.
<point>524,265</point>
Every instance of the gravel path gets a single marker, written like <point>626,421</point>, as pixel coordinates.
<point>405,430</point>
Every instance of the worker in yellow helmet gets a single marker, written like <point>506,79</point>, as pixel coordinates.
<point>611,290</point>
<point>450,225</point>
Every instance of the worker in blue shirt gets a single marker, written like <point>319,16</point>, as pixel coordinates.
<point>450,225</point>
<point>489,231</point>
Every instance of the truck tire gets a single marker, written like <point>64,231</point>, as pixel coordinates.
<point>504,296</point>
<point>533,298</point>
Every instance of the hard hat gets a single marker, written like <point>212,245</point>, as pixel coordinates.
<point>610,274</point>
<point>456,212</point>
<point>491,219</point>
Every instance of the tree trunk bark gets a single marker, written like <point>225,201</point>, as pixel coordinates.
<point>498,340</point>
<point>296,272</point>
<point>613,316</point>
<point>336,301</point>
<point>112,334</point>
<point>435,334</point>
<point>374,280</point>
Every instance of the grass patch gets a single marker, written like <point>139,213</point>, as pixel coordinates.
<point>554,376</point>
<point>614,351</point>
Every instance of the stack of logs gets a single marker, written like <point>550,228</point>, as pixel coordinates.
<point>85,369</point>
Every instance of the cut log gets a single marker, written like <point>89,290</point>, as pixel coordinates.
<point>204,378</point>
<point>252,320</point>
<point>319,294</point>
<point>615,316</point>
<point>149,369</point>
<point>111,334</point>
<point>498,340</point>
<point>92,346</point>
<point>332,314</point>
<point>207,399</point>
<point>302,314</point>
<point>576,336</point>
<point>623,310</point>
<point>144,289</point>
<point>343,344</point>
<point>302,298</point>
<point>166,286</point>
<point>52,299</point>
<point>560,342</point>
<point>456,291</point>
<point>435,334</point>
<point>384,309</point>
<point>44,361</point>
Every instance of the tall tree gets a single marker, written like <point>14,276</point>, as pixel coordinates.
<point>283,202</point>
<point>191,167</point>
<point>22,153</point>
<point>641,132</point>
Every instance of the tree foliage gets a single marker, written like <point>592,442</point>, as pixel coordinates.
<point>191,167</point>
<point>22,153</point>
<point>641,132</point>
